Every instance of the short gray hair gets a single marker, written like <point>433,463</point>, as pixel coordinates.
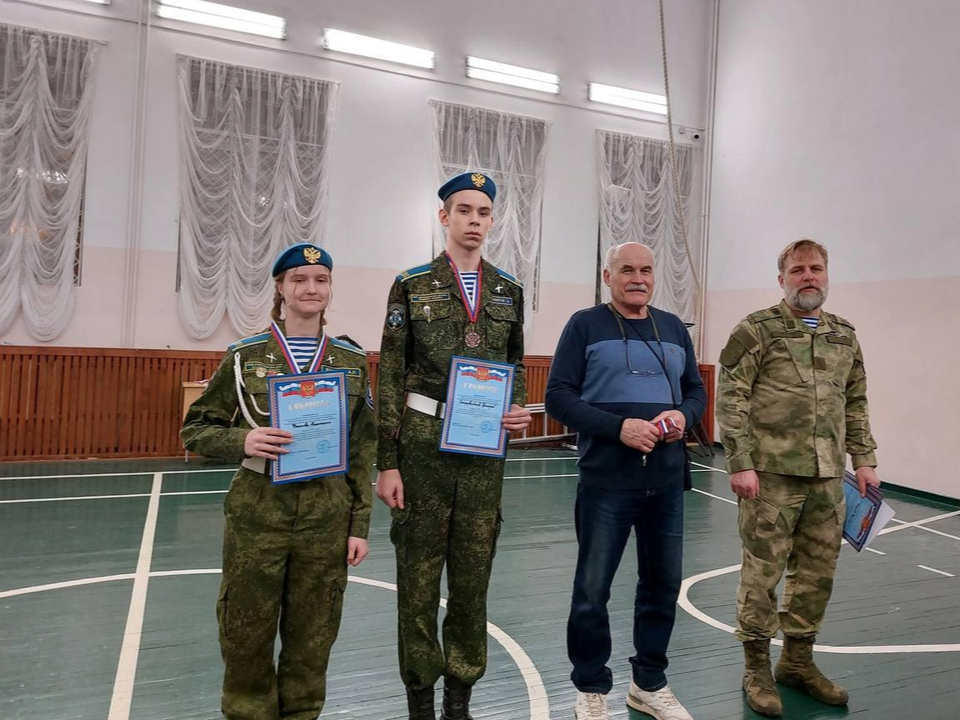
<point>803,246</point>
<point>614,251</point>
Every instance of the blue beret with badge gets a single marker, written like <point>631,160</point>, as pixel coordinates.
<point>468,181</point>
<point>299,255</point>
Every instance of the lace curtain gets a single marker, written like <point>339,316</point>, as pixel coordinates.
<point>254,152</point>
<point>509,148</point>
<point>46,91</point>
<point>637,204</point>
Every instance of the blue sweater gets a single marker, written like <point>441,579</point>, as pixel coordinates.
<point>591,391</point>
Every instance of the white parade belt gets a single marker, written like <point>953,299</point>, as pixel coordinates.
<point>257,464</point>
<point>427,406</point>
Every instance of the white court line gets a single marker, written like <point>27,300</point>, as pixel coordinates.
<point>903,525</point>
<point>572,458</point>
<point>120,474</point>
<point>537,477</point>
<point>919,524</point>
<point>63,585</point>
<point>187,472</point>
<point>939,572</point>
<point>938,532</point>
<point>686,604</point>
<point>875,552</point>
<point>536,692</point>
<point>20,501</point>
<point>684,600</point>
<point>194,492</point>
<point>715,497</point>
<point>130,650</point>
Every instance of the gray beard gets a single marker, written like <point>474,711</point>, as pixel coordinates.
<point>807,302</point>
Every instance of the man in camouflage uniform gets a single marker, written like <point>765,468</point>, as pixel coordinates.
<point>445,506</point>
<point>285,549</point>
<point>792,400</point>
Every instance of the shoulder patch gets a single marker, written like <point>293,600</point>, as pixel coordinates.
<point>840,321</point>
<point>347,343</point>
<point>740,343</point>
<point>770,313</point>
<point>508,277</point>
<point>248,341</point>
<point>414,272</point>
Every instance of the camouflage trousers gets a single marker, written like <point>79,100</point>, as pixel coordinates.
<point>451,517</point>
<point>284,560</point>
<point>796,524</point>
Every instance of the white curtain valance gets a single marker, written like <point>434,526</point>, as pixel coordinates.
<point>637,204</point>
<point>509,148</point>
<point>254,155</point>
<point>46,92</point>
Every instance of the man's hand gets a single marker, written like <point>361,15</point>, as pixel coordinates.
<point>674,431</point>
<point>639,434</point>
<point>745,484</point>
<point>390,488</point>
<point>357,550</point>
<point>266,443</point>
<point>517,419</point>
<point>867,476</point>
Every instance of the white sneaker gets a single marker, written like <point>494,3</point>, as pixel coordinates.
<point>591,706</point>
<point>662,704</point>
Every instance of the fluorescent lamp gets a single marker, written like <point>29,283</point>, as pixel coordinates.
<point>480,69</point>
<point>623,97</point>
<point>100,2</point>
<point>223,16</point>
<point>346,42</point>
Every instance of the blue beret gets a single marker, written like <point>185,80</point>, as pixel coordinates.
<point>468,181</point>
<point>301,254</point>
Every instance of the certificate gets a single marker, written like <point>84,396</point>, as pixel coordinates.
<point>866,516</point>
<point>479,392</point>
<point>312,406</point>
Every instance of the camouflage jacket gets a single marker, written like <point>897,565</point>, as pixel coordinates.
<point>216,427</point>
<point>791,400</point>
<point>425,326</point>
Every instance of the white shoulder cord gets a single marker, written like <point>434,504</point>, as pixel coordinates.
<point>238,375</point>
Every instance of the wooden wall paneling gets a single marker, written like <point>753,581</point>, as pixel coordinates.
<point>60,403</point>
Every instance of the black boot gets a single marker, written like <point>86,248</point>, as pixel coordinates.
<point>456,700</point>
<point>420,704</point>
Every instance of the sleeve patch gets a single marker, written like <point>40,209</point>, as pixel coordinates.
<point>396,316</point>
<point>740,343</point>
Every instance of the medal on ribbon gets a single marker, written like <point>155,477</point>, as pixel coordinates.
<point>314,365</point>
<point>471,337</point>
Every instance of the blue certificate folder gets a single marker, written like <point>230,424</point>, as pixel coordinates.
<point>479,392</point>
<point>862,512</point>
<point>312,406</point>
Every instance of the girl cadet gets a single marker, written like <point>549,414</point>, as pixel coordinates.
<point>285,547</point>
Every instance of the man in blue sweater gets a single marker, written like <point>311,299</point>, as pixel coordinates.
<point>625,377</point>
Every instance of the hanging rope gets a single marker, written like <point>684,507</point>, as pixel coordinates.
<point>678,198</point>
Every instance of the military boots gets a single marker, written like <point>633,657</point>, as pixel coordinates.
<point>421,705</point>
<point>797,670</point>
<point>456,700</point>
<point>758,683</point>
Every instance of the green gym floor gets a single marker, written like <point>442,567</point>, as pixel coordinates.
<point>109,575</point>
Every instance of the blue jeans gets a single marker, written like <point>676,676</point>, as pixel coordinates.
<point>603,521</point>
